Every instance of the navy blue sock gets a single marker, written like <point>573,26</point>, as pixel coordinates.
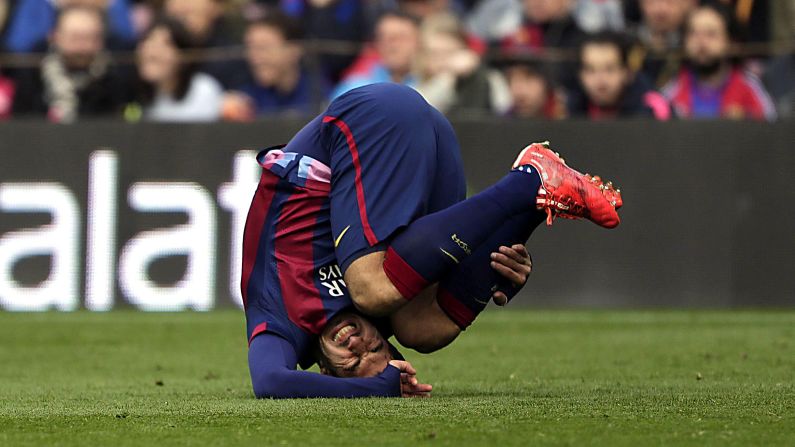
<point>466,291</point>
<point>435,244</point>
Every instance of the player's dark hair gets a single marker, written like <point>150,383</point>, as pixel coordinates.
<point>188,68</point>
<point>289,28</point>
<point>322,361</point>
<point>617,40</point>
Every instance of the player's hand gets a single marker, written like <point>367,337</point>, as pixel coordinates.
<point>515,264</point>
<point>409,385</point>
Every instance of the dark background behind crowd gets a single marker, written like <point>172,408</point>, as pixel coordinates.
<point>241,60</point>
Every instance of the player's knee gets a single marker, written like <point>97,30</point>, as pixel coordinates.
<point>371,291</point>
<point>372,301</point>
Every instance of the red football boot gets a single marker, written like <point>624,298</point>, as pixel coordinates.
<point>567,193</point>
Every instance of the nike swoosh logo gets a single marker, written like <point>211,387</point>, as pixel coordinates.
<point>448,254</point>
<point>339,238</point>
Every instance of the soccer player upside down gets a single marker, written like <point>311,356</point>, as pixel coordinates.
<point>359,229</point>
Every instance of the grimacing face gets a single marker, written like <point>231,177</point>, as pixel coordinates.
<point>603,75</point>
<point>351,346</point>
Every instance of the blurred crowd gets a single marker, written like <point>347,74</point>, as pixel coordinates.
<point>241,60</point>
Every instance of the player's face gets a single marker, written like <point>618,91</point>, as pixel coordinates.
<point>353,347</point>
<point>707,40</point>
<point>603,76</point>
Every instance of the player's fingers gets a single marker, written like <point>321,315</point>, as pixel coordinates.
<point>403,366</point>
<point>521,249</point>
<point>525,267</point>
<point>511,275</point>
<point>408,379</point>
<point>499,298</point>
<point>516,252</point>
<point>419,388</point>
<point>511,253</point>
<point>508,262</point>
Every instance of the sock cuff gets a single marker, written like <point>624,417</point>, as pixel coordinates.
<point>461,315</point>
<point>405,279</point>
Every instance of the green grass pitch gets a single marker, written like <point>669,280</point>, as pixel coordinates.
<point>517,377</point>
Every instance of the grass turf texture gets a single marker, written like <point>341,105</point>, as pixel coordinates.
<point>517,377</point>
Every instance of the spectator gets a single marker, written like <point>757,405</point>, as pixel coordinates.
<point>396,47</point>
<point>279,83</point>
<point>780,82</point>
<point>533,96</point>
<point>75,78</point>
<point>6,97</point>
<point>208,29</point>
<point>593,16</point>
<point>452,76</point>
<point>5,7</point>
<point>711,85</point>
<point>203,19</point>
<point>660,36</point>
<point>331,20</point>
<point>607,88</point>
<point>752,18</point>
<point>33,20</point>
<point>547,24</point>
<point>495,20</point>
<point>423,9</point>
<point>170,88</point>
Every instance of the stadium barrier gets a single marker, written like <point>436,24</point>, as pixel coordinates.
<point>105,215</point>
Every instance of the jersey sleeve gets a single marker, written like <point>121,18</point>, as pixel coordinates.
<point>383,146</point>
<point>272,364</point>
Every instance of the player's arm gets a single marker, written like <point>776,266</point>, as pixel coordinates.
<point>273,375</point>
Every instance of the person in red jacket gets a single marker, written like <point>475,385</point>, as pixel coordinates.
<point>711,84</point>
<point>6,97</point>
